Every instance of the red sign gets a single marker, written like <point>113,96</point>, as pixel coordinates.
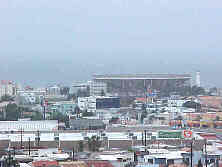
<point>187,134</point>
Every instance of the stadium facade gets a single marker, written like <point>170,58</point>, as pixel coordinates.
<point>139,84</point>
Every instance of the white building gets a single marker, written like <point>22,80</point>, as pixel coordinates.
<point>30,96</point>
<point>95,103</point>
<point>176,103</point>
<point>48,125</point>
<point>53,90</point>
<point>95,88</point>
<point>87,103</point>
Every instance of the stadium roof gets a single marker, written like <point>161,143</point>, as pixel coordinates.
<point>143,76</point>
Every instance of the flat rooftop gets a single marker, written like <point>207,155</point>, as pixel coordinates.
<point>142,76</point>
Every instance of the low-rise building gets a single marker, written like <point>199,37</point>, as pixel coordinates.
<point>65,107</point>
<point>48,125</point>
<point>86,124</point>
<point>95,88</point>
<point>92,103</point>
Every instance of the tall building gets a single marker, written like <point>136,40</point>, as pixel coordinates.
<point>138,84</point>
<point>198,79</point>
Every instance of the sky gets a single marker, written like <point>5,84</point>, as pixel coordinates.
<point>54,41</point>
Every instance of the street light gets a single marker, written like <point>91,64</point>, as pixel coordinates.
<point>205,145</point>
<point>191,152</point>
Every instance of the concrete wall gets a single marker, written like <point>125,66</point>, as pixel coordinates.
<point>197,145</point>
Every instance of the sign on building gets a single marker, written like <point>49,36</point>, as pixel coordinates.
<point>170,134</point>
<point>185,134</point>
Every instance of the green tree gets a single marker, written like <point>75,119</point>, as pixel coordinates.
<point>80,146</point>
<point>60,117</point>
<point>197,91</point>
<point>71,96</point>
<point>6,98</point>
<point>12,113</point>
<point>94,143</point>
<point>198,118</point>
<point>217,118</point>
<point>143,115</point>
<point>103,93</point>
<point>199,163</point>
<point>87,114</point>
<point>36,116</point>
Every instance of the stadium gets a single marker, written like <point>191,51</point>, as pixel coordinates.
<point>140,84</point>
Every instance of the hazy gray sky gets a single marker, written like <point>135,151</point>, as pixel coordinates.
<point>43,41</point>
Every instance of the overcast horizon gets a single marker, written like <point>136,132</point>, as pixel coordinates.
<point>52,41</point>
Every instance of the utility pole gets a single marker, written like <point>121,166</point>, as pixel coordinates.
<point>145,140</point>
<point>21,134</point>
<point>145,137</point>
<point>14,151</point>
<point>9,159</point>
<point>38,137</point>
<point>58,124</point>
<point>205,152</point>
<point>29,146</point>
<point>44,112</point>
<point>191,153</point>
<point>73,154</point>
<point>142,139</point>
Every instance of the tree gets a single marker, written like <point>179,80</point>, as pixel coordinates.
<point>82,93</point>
<point>217,118</point>
<point>143,107</point>
<point>80,146</point>
<point>87,114</point>
<point>199,163</point>
<point>180,118</point>
<point>12,113</point>
<point>6,98</point>
<point>212,90</point>
<point>113,120</point>
<point>195,91</point>
<point>198,118</point>
<point>143,115</point>
<point>103,93</point>
<point>36,116</point>
<point>94,143</point>
<point>58,116</point>
<point>71,96</point>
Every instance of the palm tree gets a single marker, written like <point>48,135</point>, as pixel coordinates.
<point>94,143</point>
<point>180,118</point>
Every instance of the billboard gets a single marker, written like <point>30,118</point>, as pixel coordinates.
<point>183,134</point>
<point>170,134</point>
